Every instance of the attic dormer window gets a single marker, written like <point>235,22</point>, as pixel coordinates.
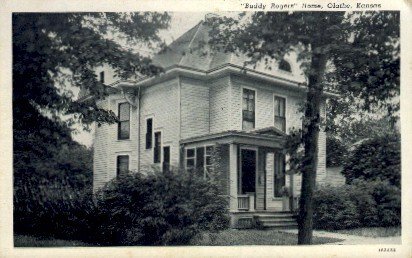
<point>102,77</point>
<point>285,66</point>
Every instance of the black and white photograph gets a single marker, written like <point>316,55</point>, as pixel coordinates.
<point>265,126</point>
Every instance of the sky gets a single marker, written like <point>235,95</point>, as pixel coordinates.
<point>179,24</point>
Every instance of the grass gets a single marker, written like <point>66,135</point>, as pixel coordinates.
<point>253,237</point>
<point>32,241</point>
<point>371,232</point>
<point>224,238</point>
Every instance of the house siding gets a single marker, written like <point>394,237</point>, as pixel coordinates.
<point>264,110</point>
<point>101,143</point>
<point>182,108</point>
<point>160,102</point>
<point>108,147</point>
<point>194,96</point>
<point>220,113</point>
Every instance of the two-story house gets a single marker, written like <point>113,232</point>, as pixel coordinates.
<point>205,105</point>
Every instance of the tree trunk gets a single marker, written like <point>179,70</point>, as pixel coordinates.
<point>310,141</point>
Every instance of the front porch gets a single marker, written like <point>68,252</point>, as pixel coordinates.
<point>251,169</point>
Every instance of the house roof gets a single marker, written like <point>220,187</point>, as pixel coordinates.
<point>188,56</point>
<point>192,51</point>
<point>274,139</point>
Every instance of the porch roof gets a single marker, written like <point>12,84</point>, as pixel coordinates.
<point>265,137</point>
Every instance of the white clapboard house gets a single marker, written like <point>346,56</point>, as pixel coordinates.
<point>205,104</point>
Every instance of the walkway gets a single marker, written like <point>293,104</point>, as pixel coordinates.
<point>351,239</point>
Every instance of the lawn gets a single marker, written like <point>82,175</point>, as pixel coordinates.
<point>31,241</point>
<point>253,237</point>
<point>226,237</point>
<point>371,232</point>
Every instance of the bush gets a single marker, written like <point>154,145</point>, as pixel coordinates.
<point>159,209</point>
<point>362,204</point>
<point>375,159</point>
<point>52,208</point>
<point>334,209</point>
<point>387,198</point>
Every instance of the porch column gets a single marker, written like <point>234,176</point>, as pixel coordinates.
<point>233,177</point>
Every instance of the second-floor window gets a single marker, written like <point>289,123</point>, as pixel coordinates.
<point>280,118</point>
<point>248,109</point>
<point>124,121</point>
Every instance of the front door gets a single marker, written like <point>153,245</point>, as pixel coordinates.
<point>248,171</point>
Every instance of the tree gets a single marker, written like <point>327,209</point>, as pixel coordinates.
<point>53,53</point>
<point>361,50</point>
<point>376,159</point>
<point>56,52</point>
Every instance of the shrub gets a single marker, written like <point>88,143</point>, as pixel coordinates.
<point>51,208</point>
<point>159,208</point>
<point>374,159</point>
<point>365,204</point>
<point>334,209</point>
<point>387,198</point>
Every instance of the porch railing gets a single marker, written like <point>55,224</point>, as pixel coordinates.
<point>243,202</point>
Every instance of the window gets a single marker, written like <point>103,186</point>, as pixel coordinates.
<point>190,159</point>
<point>280,119</point>
<point>201,159</point>
<point>157,147</point>
<point>122,165</point>
<point>101,77</point>
<point>149,133</point>
<point>124,121</point>
<point>248,109</point>
<point>208,159</point>
<point>284,66</point>
<point>279,178</point>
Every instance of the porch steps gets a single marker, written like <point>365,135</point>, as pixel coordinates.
<point>277,220</point>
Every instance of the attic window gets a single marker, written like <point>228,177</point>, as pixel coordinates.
<point>102,77</point>
<point>284,66</point>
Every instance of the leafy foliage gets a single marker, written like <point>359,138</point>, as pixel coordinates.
<point>52,207</point>
<point>53,53</point>
<point>336,151</point>
<point>364,55</point>
<point>377,158</point>
<point>56,52</point>
<point>363,204</point>
<point>159,209</point>
<point>334,209</point>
